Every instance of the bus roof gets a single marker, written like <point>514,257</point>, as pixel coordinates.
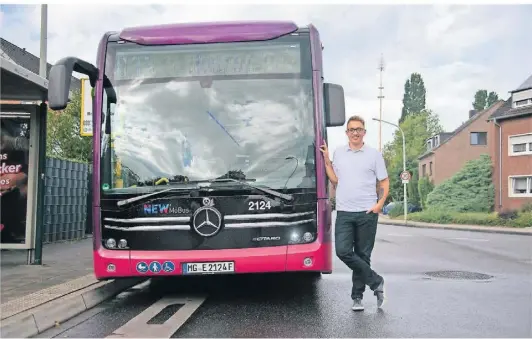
<point>208,32</point>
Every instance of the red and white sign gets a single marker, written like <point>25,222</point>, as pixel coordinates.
<point>405,176</point>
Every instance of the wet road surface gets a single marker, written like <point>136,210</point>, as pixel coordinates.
<point>487,294</point>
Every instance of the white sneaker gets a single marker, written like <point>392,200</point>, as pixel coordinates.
<point>357,305</point>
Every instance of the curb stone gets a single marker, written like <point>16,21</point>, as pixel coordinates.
<point>45,316</point>
<point>469,228</point>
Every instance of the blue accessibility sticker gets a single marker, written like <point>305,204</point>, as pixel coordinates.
<point>142,267</point>
<point>155,267</point>
<point>168,266</point>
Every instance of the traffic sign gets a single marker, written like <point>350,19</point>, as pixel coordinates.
<point>405,177</point>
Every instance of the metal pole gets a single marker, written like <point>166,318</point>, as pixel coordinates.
<point>405,200</point>
<point>44,40</point>
<point>404,170</point>
<point>39,221</point>
<point>381,69</point>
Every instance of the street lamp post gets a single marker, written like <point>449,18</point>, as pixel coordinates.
<point>404,164</point>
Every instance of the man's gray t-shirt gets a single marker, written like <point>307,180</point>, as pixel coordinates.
<point>357,172</point>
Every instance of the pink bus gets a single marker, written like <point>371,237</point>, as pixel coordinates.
<point>206,149</point>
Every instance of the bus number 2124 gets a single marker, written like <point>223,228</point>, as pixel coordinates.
<point>259,205</point>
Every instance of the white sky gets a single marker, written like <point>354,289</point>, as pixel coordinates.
<point>457,49</point>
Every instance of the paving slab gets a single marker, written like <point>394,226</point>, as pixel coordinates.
<point>62,262</point>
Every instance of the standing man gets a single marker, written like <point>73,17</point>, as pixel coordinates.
<point>355,169</point>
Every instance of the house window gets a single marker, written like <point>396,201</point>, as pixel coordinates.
<point>522,103</point>
<point>520,186</point>
<point>517,148</point>
<point>424,169</point>
<point>430,168</point>
<point>429,145</point>
<point>479,138</point>
<point>520,144</point>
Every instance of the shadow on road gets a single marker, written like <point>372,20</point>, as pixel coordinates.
<point>249,305</point>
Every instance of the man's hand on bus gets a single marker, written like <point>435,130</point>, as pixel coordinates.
<point>328,164</point>
<point>325,151</point>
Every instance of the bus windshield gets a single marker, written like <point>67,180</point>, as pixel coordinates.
<point>201,111</point>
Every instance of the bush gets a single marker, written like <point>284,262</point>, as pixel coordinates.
<point>508,214</point>
<point>523,220</point>
<point>469,190</point>
<point>424,187</point>
<point>472,218</point>
<point>397,210</point>
<point>526,207</point>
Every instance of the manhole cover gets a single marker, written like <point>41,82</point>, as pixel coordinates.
<point>464,275</point>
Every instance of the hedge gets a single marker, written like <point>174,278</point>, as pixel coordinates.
<point>521,219</point>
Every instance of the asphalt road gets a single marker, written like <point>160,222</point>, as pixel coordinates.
<point>418,303</point>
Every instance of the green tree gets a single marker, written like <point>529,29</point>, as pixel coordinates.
<point>424,186</point>
<point>412,186</point>
<point>63,133</point>
<point>470,190</point>
<point>417,128</point>
<point>483,100</point>
<point>414,96</point>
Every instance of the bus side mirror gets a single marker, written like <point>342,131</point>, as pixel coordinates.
<point>333,97</point>
<point>60,77</point>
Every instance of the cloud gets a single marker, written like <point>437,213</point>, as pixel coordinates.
<point>457,49</point>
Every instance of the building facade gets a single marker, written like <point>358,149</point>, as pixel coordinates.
<point>447,153</point>
<point>512,143</point>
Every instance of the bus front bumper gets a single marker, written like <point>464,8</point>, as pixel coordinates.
<point>112,264</point>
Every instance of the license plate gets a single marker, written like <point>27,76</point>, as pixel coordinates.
<point>208,267</point>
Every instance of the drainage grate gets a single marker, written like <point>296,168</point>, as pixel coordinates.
<point>463,275</point>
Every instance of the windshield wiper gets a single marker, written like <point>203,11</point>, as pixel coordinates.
<point>141,197</point>
<point>288,197</point>
<point>125,202</point>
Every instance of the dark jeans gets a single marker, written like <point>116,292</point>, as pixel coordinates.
<point>354,239</point>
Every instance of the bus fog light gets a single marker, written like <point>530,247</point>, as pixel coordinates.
<point>110,243</point>
<point>308,237</point>
<point>111,268</point>
<point>307,262</point>
<point>122,243</point>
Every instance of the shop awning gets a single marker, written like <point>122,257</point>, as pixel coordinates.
<point>17,83</point>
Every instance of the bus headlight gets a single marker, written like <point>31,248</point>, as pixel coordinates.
<point>110,243</point>
<point>297,238</point>
<point>122,243</point>
<point>308,237</point>
<point>294,237</point>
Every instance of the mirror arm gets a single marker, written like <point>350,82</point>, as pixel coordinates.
<point>84,67</point>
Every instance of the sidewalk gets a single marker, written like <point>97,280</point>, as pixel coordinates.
<point>385,220</point>
<point>35,298</point>
<point>62,262</point>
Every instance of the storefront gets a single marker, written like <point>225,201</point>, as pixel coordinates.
<point>22,156</point>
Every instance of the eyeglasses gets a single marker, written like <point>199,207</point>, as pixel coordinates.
<point>358,130</point>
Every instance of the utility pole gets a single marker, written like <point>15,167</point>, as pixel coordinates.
<point>44,41</point>
<point>381,69</point>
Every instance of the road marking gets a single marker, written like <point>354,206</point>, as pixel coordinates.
<point>468,239</point>
<point>138,327</point>
<point>399,235</point>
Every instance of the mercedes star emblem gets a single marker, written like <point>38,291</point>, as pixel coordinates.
<point>207,221</point>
